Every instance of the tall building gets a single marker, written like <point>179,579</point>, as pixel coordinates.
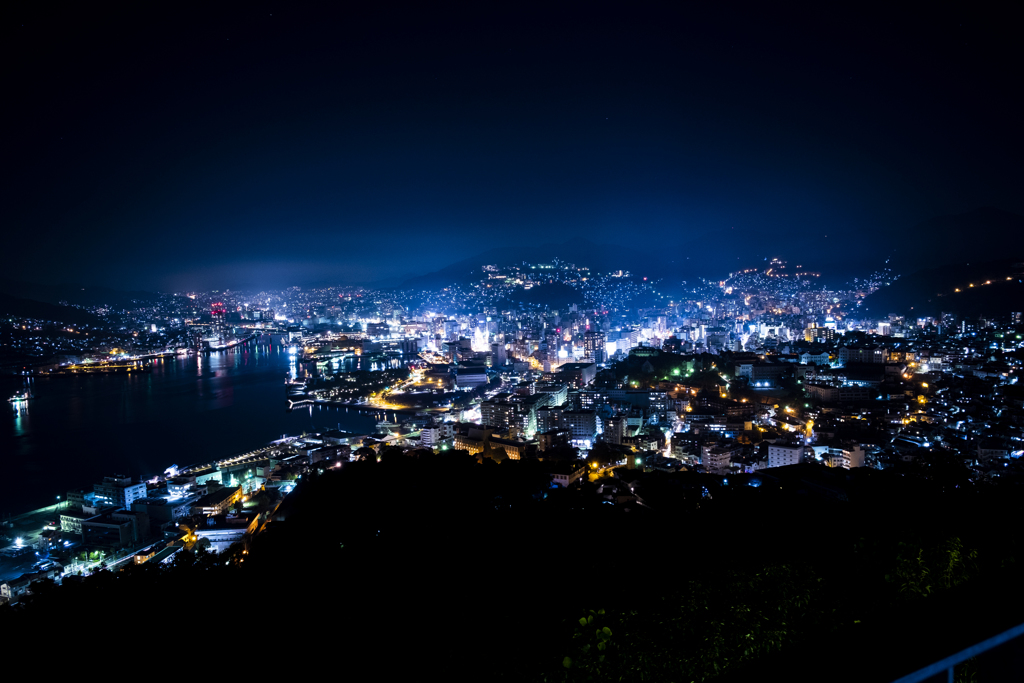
<point>585,426</point>
<point>717,458</point>
<point>498,413</point>
<point>846,458</point>
<point>499,357</point>
<point>593,346</point>
<point>780,456</point>
<point>508,413</point>
<point>550,417</point>
<point>118,490</point>
<point>615,430</point>
<point>577,374</point>
<point>558,392</point>
<point>430,435</point>
<point>820,335</point>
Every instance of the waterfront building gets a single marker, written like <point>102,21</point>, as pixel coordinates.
<point>71,520</point>
<point>163,511</point>
<point>15,589</point>
<point>119,491</point>
<point>116,529</point>
<point>217,502</point>
<point>430,435</point>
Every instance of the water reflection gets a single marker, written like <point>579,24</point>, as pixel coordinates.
<point>188,409</point>
<point>21,421</point>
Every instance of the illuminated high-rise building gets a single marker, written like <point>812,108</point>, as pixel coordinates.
<point>593,346</point>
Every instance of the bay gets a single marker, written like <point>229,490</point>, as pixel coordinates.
<point>78,429</point>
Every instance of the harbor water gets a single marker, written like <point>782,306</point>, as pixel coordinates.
<point>76,429</point>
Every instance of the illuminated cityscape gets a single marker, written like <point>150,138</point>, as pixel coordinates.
<point>520,358</point>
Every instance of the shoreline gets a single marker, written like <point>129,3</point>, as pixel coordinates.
<point>22,501</point>
<point>39,511</point>
<point>364,407</point>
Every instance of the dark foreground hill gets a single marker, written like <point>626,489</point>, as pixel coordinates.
<point>441,566</point>
<point>990,288</point>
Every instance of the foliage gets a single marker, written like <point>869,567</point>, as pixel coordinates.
<point>592,643</point>
<point>966,672</point>
<point>699,632</point>
<point>365,453</point>
<point>921,571</point>
<point>440,536</point>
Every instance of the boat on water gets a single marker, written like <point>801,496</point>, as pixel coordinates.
<point>113,367</point>
<point>20,397</point>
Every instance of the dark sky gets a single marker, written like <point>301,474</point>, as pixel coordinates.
<point>176,146</point>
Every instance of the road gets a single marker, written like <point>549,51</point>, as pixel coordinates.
<point>604,471</point>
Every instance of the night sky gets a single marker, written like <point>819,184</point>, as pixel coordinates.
<point>273,144</point>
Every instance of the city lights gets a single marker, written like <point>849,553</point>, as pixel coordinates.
<point>399,317</point>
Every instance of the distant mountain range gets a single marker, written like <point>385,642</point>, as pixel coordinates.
<point>43,302</point>
<point>979,235</point>
<point>30,308</point>
<point>79,295</point>
<point>934,257</point>
<point>998,288</point>
<point>598,257</point>
<point>984,234</point>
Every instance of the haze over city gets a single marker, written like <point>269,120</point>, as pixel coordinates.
<point>278,145</point>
